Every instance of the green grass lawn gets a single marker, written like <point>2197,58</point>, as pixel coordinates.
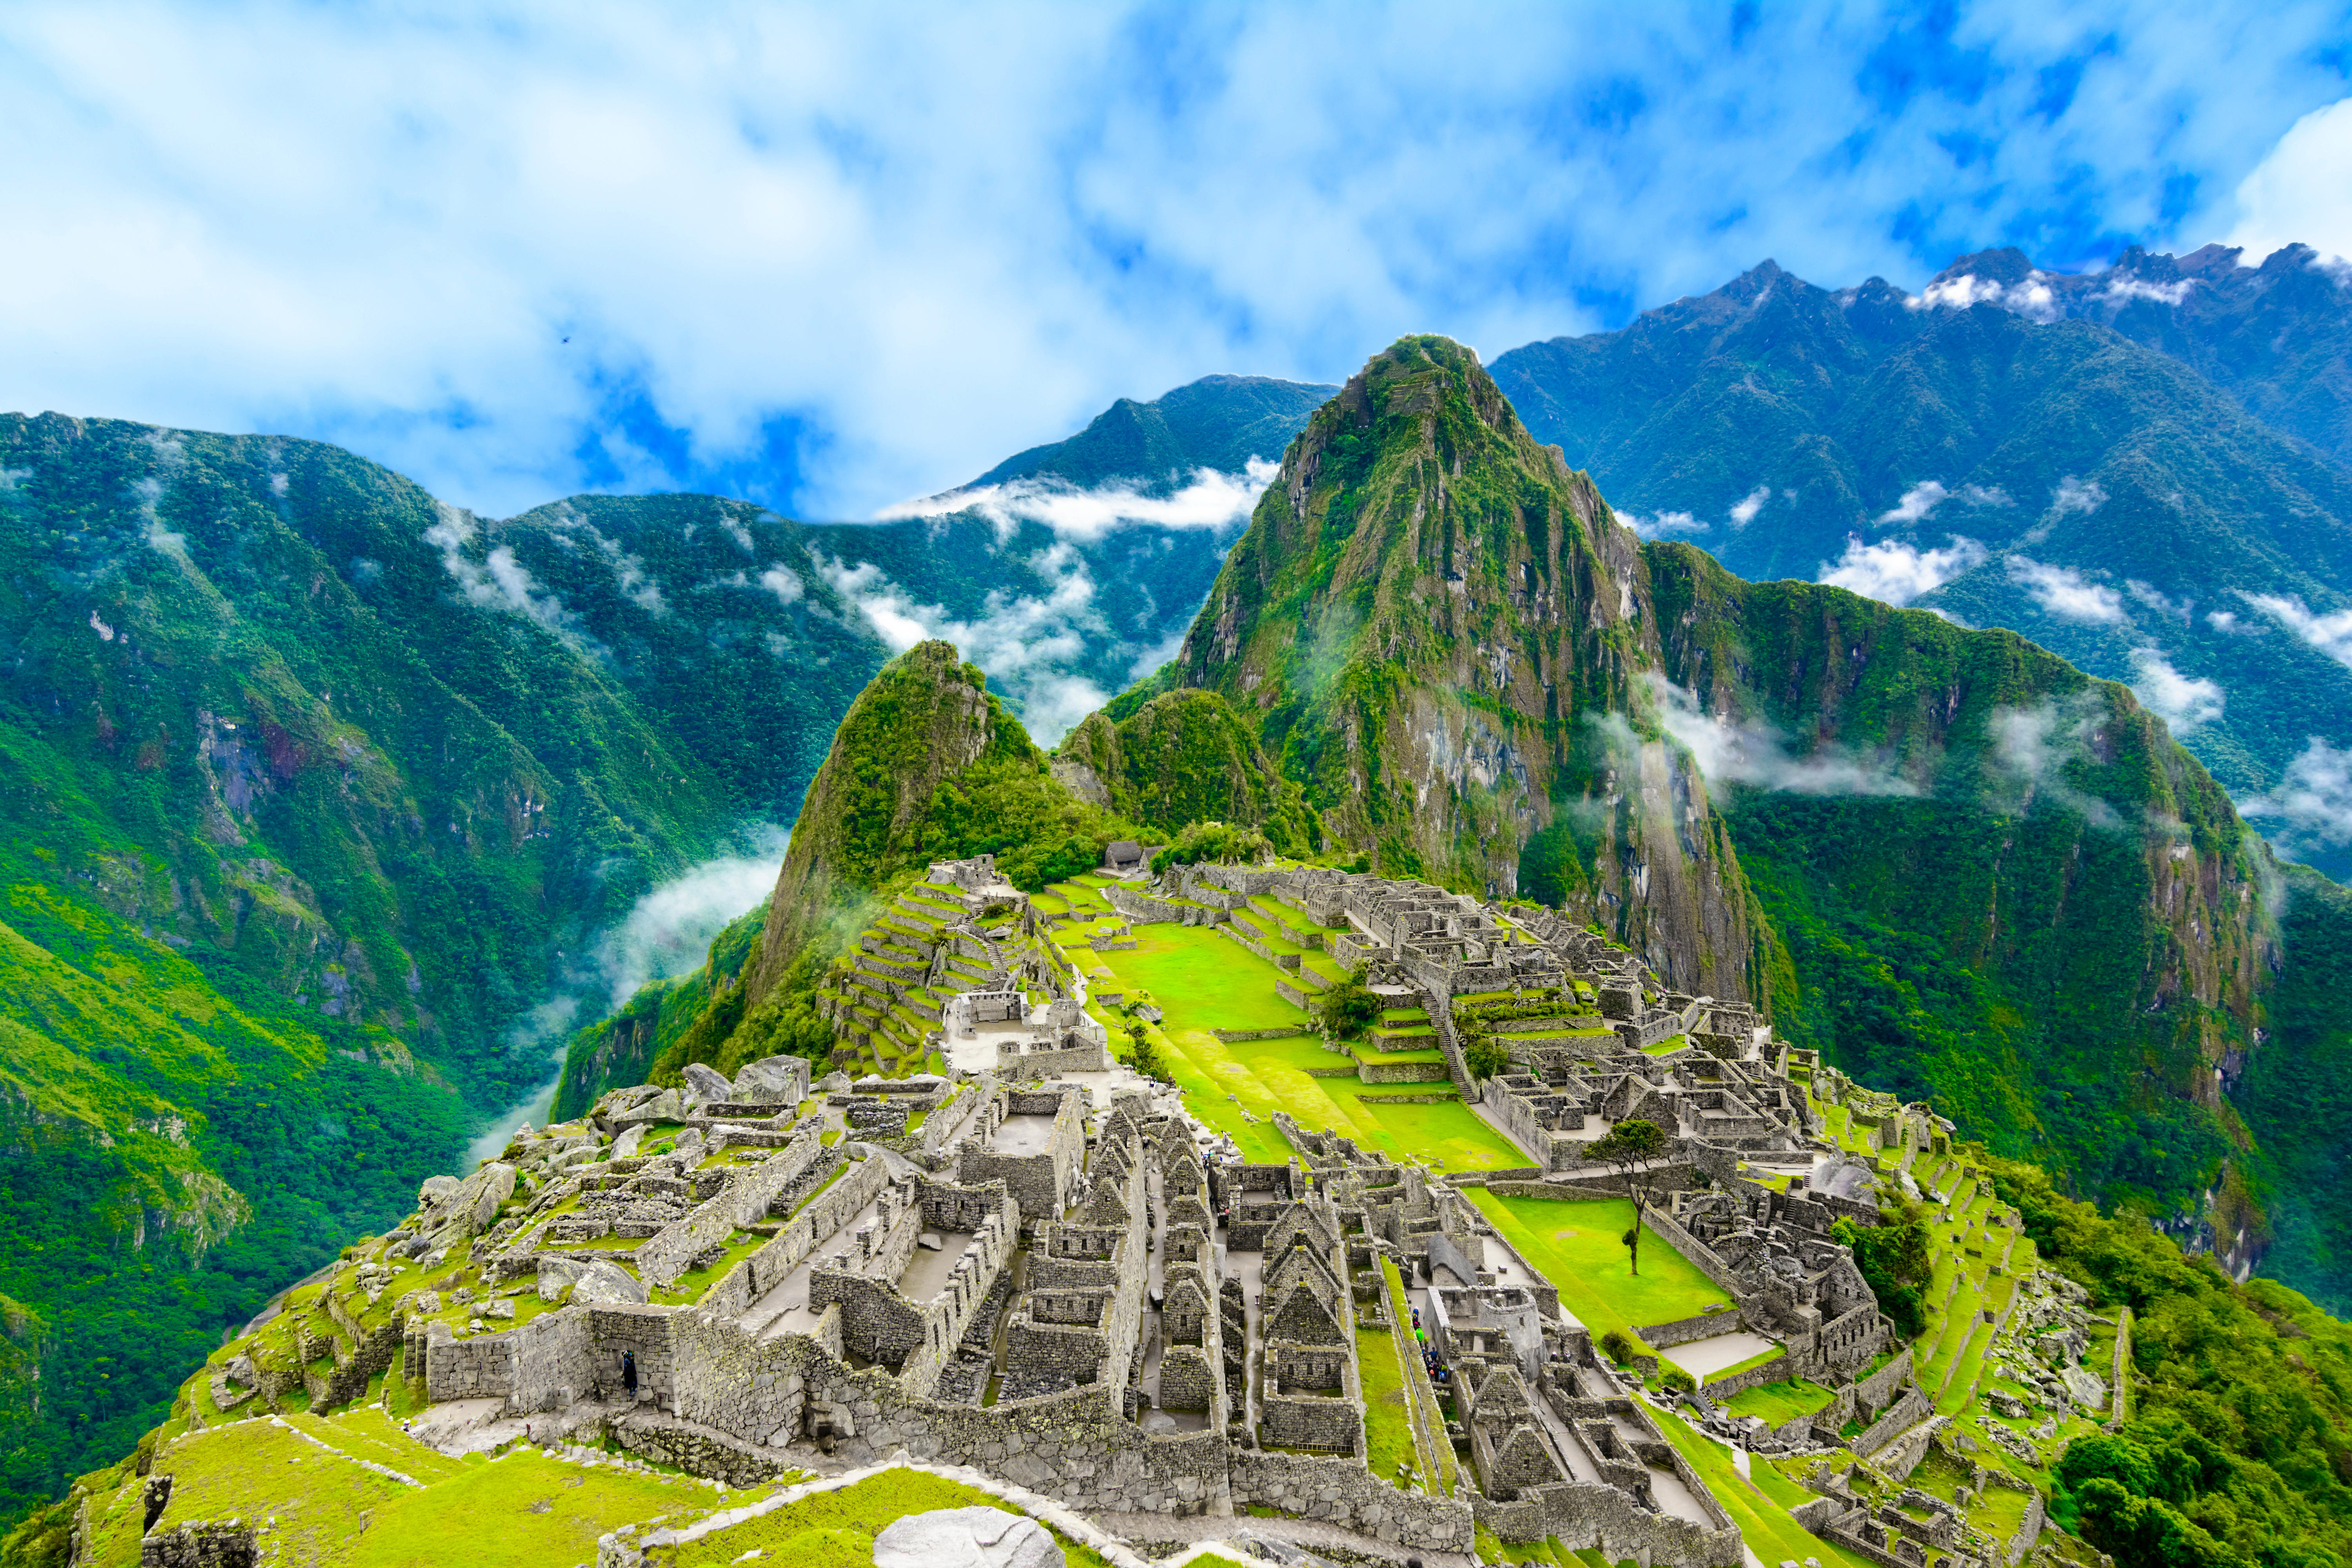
<point>1203,983</point>
<point>1388,1426</point>
<point>1576,1247</point>
<point>1780,1403</point>
<point>328,1509</point>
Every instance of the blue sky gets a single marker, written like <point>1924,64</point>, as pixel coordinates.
<point>833,257</point>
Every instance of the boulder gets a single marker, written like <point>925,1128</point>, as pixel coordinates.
<point>665,1106</point>
<point>590,1280</point>
<point>485,1191</point>
<point>706,1085</point>
<point>834,1082</point>
<point>772,1081</point>
<point>627,1098</point>
<point>2089,1389</point>
<point>626,1147</point>
<point>966,1538</point>
<point>436,1190</point>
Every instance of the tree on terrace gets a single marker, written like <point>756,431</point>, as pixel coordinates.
<point>1632,1148</point>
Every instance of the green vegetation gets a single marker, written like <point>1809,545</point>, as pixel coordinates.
<point>1580,1248</point>
<point>1349,1008</point>
<point>1388,1424</point>
<point>1895,1260</point>
<point>1763,1519</point>
<point>1185,764</point>
<point>2242,1403</point>
<point>1213,841</point>
<point>1780,1403</point>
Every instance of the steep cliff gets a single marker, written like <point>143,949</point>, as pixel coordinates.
<point>926,765</point>
<point>1999,882</point>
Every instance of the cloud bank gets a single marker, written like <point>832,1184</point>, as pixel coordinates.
<point>1026,644</point>
<point>1734,751</point>
<point>668,931</point>
<point>831,256</point>
<point>2182,701</point>
<point>2302,190</point>
<point>2331,635</point>
<point>1211,499</point>
<point>2065,592</point>
<point>2314,800</point>
<point>1896,572</point>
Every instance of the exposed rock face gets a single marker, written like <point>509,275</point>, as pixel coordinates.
<point>1441,633</point>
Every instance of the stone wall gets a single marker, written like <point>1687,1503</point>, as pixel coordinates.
<point>1683,1331</point>
<point>1344,1493</point>
<point>1780,1369</point>
<point>480,1368</point>
<point>1187,1380</point>
<point>552,1362</point>
<point>1907,1411</point>
<point>744,1200</point>
<point>1586,1516</point>
<point>1039,1183</point>
<point>696,1449</point>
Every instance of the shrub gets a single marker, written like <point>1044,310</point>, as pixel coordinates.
<point>1622,1347</point>
<point>1675,1378</point>
<point>1349,1008</point>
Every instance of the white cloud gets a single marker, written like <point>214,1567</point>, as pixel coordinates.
<point>668,930</point>
<point>1732,750</point>
<point>2182,701</point>
<point>2314,799</point>
<point>2155,599</point>
<point>1896,572</point>
<point>468,240</point>
<point>2032,297</point>
<point>1211,501</point>
<point>2331,635</point>
<point>2065,592</point>
<point>1663,524</point>
<point>783,582</point>
<point>2222,621</point>
<point>1744,509</point>
<point>2124,289</point>
<point>1026,644</point>
<point>499,582</point>
<point>2076,495</point>
<point>2301,193</point>
<point>2032,746</point>
<point>1916,504</point>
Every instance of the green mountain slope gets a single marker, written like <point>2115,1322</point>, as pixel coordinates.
<point>2002,462</point>
<point>1219,422</point>
<point>2274,332</point>
<point>1183,757</point>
